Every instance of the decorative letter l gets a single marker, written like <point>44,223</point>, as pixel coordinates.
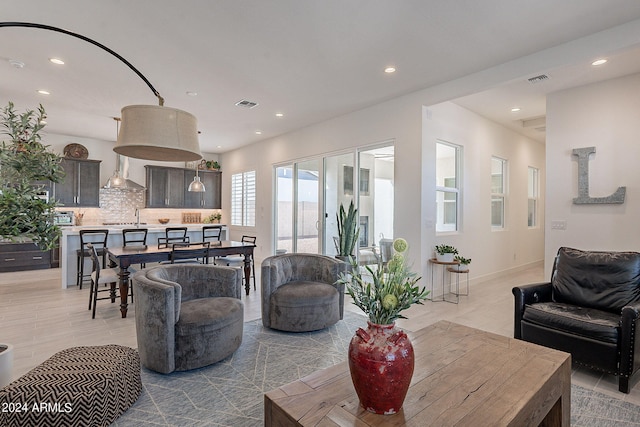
<point>583,182</point>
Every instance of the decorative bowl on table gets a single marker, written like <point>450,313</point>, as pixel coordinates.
<point>163,220</point>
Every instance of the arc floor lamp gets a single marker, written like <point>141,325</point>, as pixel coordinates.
<point>150,132</point>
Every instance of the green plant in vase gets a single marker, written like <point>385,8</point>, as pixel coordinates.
<point>384,293</point>
<point>463,263</point>
<point>213,218</point>
<point>381,358</point>
<point>445,253</point>
<point>348,231</point>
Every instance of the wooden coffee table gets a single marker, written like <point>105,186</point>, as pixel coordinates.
<point>462,377</point>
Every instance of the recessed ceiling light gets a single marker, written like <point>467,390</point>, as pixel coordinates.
<point>190,93</point>
<point>258,132</point>
<point>219,146</point>
<point>599,62</point>
<point>279,115</point>
<point>515,109</point>
<point>390,70</point>
<point>44,92</point>
<point>56,61</point>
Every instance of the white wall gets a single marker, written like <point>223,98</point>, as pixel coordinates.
<point>401,120</point>
<point>491,251</point>
<point>605,116</point>
<point>397,120</point>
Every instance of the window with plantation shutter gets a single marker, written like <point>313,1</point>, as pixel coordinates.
<point>243,199</point>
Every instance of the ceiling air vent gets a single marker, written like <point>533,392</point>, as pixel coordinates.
<point>538,79</point>
<point>246,104</point>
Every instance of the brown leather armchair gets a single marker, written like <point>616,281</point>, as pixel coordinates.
<point>590,309</point>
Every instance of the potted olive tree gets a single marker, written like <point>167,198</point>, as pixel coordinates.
<point>26,166</point>
<point>348,231</point>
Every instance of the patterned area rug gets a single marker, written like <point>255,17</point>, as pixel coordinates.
<point>230,393</point>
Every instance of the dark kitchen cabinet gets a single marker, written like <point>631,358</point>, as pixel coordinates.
<point>81,185</point>
<point>55,257</point>
<point>165,187</point>
<point>211,198</point>
<point>23,256</point>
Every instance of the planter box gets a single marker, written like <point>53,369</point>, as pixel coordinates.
<point>448,257</point>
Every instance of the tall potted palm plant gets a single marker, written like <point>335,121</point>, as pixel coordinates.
<point>348,231</point>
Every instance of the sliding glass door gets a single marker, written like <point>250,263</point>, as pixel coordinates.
<point>284,209</point>
<point>307,223</point>
<point>375,201</point>
<point>297,222</point>
<point>338,189</point>
<point>309,194</point>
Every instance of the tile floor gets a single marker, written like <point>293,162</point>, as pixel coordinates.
<point>40,318</point>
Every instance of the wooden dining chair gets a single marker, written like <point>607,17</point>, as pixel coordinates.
<point>103,276</point>
<point>212,233</point>
<point>238,260</point>
<point>135,237</point>
<point>189,253</point>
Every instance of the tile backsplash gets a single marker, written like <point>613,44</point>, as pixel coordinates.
<point>117,206</point>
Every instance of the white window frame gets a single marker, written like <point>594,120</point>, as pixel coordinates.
<point>447,194</point>
<point>500,196</point>
<point>243,199</point>
<point>533,196</point>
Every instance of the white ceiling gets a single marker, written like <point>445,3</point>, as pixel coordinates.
<point>309,60</point>
<point>496,103</point>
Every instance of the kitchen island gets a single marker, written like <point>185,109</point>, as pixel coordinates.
<point>70,243</point>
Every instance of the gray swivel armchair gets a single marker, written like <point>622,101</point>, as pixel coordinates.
<point>187,315</point>
<point>299,293</point>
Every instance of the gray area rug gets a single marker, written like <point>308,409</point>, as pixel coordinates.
<point>231,392</point>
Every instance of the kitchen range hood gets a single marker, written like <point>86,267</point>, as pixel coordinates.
<point>122,171</point>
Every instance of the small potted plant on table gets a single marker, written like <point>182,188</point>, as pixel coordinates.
<point>445,253</point>
<point>463,263</point>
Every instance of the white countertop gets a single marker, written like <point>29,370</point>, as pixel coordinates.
<point>153,228</point>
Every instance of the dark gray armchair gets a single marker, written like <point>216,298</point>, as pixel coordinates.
<point>299,293</point>
<point>187,315</point>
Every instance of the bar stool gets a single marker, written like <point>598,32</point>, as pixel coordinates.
<point>211,233</point>
<point>173,235</point>
<point>135,237</point>
<point>98,238</point>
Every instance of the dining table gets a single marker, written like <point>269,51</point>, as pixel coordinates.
<point>124,256</point>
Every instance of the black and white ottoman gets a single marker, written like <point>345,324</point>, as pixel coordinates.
<point>79,386</point>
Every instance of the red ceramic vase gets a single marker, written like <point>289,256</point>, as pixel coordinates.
<point>381,363</point>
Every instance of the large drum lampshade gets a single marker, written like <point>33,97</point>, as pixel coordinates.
<point>160,133</point>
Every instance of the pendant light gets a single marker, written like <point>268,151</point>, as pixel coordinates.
<point>116,181</point>
<point>196,185</point>
<point>150,132</point>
